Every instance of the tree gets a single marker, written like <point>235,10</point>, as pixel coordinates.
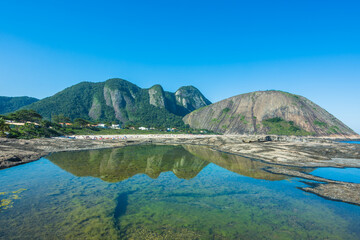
<point>3,127</point>
<point>60,119</point>
<point>81,122</point>
<point>25,115</point>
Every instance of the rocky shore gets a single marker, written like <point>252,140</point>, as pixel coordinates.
<point>282,152</point>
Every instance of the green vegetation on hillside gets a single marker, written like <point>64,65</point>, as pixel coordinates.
<point>33,125</point>
<point>29,124</point>
<point>3,128</point>
<point>10,104</point>
<point>25,115</point>
<point>320,124</point>
<point>278,126</point>
<point>325,126</point>
<point>118,100</point>
<point>333,130</point>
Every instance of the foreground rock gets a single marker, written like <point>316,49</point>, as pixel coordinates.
<point>18,151</point>
<point>287,151</point>
<point>331,189</point>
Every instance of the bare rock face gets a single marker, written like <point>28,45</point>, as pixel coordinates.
<point>265,112</point>
<point>118,100</point>
<point>190,98</point>
<point>157,96</point>
<point>95,110</point>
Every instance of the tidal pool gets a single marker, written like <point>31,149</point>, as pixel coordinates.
<point>163,192</point>
<point>351,175</point>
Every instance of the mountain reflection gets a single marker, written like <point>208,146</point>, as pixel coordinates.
<point>114,165</point>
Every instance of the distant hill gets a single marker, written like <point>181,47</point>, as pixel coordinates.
<point>120,100</point>
<point>11,104</point>
<point>267,112</point>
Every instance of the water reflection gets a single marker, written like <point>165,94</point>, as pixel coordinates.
<point>216,204</point>
<point>114,165</point>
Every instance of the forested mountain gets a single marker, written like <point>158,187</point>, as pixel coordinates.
<point>11,104</point>
<point>267,112</point>
<point>122,101</point>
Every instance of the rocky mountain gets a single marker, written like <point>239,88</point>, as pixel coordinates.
<point>267,112</point>
<point>10,104</point>
<point>120,100</point>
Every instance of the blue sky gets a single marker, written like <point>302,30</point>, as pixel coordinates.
<point>224,48</point>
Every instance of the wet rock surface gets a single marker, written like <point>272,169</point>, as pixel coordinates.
<point>327,188</point>
<point>282,153</point>
<point>18,151</point>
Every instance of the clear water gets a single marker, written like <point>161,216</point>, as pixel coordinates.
<point>339,174</point>
<point>352,142</point>
<point>163,192</point>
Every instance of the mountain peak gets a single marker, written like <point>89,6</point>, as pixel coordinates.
<point>157,96</point>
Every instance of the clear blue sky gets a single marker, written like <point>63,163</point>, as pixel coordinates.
<point>224,48</point>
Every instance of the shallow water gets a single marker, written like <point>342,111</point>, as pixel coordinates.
<point>163,192</point>
<point>352,142</point>
<point>339,174</point>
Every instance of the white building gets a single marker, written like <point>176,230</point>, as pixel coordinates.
<point>115,126</point>
<point>143,128</point>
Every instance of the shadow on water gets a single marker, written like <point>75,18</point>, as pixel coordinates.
<point>121,204</point>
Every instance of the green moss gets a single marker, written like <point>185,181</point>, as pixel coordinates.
<point>8,198</point>
<point>320,124</point>
<point>214,121</point>
<point>242,119</point>
<point>278,126</point>
<point>226,110</point>
<point>333,130</point>
<point>291,95</point>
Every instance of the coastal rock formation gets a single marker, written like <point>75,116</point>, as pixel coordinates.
<point>267,112</point>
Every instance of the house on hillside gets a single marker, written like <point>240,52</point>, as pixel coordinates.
<point>143,128</point>
<point>13,123</point>
<point>115,126</point>
<point>101,125</point>
<point>65,124</point>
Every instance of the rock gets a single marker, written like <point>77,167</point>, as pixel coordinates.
<point>268,112</point>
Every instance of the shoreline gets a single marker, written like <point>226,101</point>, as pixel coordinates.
<point>282,152</point>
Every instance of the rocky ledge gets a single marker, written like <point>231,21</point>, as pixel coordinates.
<point>19,151</point>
